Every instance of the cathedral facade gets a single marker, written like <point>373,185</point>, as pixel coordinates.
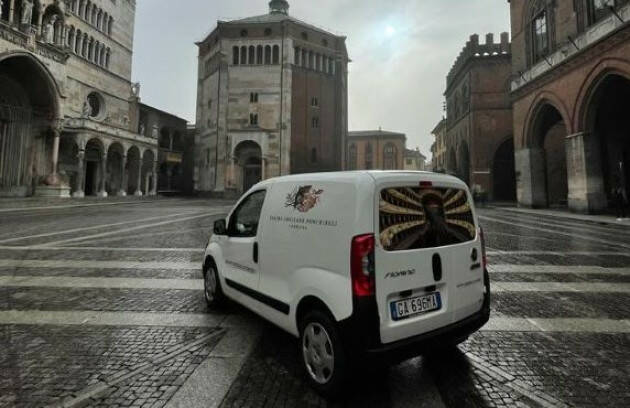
<point>69,114</point>
<point>271,100</point>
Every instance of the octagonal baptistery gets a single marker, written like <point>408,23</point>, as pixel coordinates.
<point>271,100</point>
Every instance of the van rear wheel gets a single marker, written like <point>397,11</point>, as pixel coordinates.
<point>323,357</point>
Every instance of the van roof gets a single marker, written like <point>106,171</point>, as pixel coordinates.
<point>376,175</point>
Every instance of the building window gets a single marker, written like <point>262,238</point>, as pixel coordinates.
<point>267,54</point>
<point>96,105</point>
<point>253,97</point>
<point>276,54</point>
<point>235,55</point>
<point>268,32</point>
<point>368,156</point>
<point>259,55</point>
<point>244,33</point>
<point>314,102</point>
<point>541,36</point>
<point>315,123</point>
<point>389,157</point>
<point>598,9</point>
<point>243,55</point>
<point>209,103</point>
<point>253,119</point>
<point>304,35</point>
<point>252,54</point>
<point>353,157</point>
<point>313,155</point>
<point>409,162</point>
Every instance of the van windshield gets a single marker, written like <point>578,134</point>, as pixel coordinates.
<point>416,217</point>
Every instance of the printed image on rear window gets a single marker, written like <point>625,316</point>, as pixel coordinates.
<point>415,217</point>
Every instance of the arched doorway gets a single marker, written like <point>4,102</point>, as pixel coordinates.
<point>94,170</point>
<point>463,163</point>
<point>608,121</point>
<point>133,171</point>
<point>548,134</point>
<point>115,171</point>
<point>69,162</point>
<point>248,156</point>
<point>28,105</point>
<point>503,173</point>
<point>148,176</point>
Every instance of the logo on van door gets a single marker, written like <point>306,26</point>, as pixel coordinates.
<point>303,198</point>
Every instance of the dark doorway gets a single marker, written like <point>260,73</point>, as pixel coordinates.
<point>608,120</point>
<point>503,174</point>
<point>91,169</point>
<point>253,173</point>
<point>550,134</point>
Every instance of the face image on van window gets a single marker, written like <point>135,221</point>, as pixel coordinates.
<point>414,218</point>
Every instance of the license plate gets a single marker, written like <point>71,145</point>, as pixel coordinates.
<point>404,308</point>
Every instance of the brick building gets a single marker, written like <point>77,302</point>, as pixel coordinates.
<point>271,100</point>
<point>478,141</point>
<point>570,92</point>
<point>68,111</point>
<point>376,149</point>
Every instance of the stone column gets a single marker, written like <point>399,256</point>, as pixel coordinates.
<point>123,176</point>
<point>102,190</point>
<point>531,183</point>
<point>11,11</point>
<point>263,165</point>
<point>53,177</point>
<point>584,172</point>
<point>153,191</point>
<point>78,192</point>
<point>138,192</point>
<point>40,18</point>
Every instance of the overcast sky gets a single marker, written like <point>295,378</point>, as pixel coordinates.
<point>401,51</point>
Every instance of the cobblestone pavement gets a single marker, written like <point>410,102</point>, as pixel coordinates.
<point>504,368</point>
<point>119,362</point>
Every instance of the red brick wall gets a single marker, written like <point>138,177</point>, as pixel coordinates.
<point>325,139</point>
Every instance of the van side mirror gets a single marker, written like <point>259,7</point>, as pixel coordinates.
<point>220,227</point>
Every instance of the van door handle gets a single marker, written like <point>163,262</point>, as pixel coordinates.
<point>255,252</point>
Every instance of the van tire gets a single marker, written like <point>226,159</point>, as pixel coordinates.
<point>319,326</point>
<point>212,291</point>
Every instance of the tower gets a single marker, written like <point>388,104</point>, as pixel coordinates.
<point>271,101</point>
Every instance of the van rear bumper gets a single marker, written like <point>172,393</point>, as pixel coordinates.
<point>439,338</point>
<point>361,333</point>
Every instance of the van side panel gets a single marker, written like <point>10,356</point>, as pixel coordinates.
<point>309,225</point>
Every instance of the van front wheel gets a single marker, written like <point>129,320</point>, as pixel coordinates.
<point>212,288</point>
<point>323,356</point>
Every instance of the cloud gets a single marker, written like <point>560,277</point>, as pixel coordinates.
<point>395,81</point>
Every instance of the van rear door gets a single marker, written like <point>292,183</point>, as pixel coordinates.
<point>425,277</point>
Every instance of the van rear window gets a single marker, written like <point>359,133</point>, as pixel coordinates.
<point>415,217</point>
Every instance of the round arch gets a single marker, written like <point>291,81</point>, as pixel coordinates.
<point>541,100</point>
<point>607,67</point>
<point>248,157</point>
<point>133,170</point>
<point>547,131</point>
<point>36,70</point>
<point>605,125</point>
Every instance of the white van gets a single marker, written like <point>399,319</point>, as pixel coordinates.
<point>355,264</point>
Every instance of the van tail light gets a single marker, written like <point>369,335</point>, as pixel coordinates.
<point>362,265</point>
<point>484,258</point>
